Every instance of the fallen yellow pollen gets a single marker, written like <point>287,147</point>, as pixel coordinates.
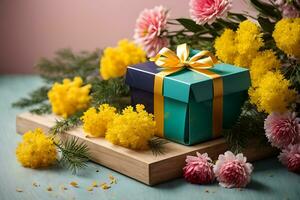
<point>19,190</point>
<point>94,184</point>
<point>49,189</point>
<point>74,184</point>
<point>89,188</point>
<point>113,180</point>
<point>104,186</point>
<point>34,184</point>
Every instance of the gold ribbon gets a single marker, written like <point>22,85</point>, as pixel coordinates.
<point>200,63</point>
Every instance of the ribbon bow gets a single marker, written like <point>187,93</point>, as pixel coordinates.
<point>168,59</point>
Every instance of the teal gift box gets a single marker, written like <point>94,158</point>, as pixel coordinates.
<point>188,99</point>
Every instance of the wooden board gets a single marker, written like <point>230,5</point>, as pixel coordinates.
<point>140,165</point>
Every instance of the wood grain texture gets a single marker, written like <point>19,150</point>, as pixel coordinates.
<point>140,165</point>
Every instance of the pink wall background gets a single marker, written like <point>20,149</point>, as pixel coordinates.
<point>37,28</point>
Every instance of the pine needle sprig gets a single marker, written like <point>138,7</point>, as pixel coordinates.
<point>35,97</point>
<point>157,145</point>
<point>67,64</point>
<point>74,155</point>
<point>249,125</point>
<point>44,108</point>
<point>113,91</point>
<point>64,125</point>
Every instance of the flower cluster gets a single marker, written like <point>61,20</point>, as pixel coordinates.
<point>240,47</point>
<point>273,93</point>
<point>68,97</point>
<point>230,170</point>
<point>150,28</point>
<point>95,122</point>
<point>36,150</point>
<point>287,36</point>
<point>206,11</point>
<point>270,91</point>
<point>115,60</point>
<point>132,129</point>
<point>283,131</point>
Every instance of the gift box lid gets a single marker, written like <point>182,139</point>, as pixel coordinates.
<point>187,84</point>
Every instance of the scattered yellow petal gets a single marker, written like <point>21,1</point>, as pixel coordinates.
<point>74,184</point>
<point>35,184</point>
<point>113,180</point>
<point>19,190</point>
<point>49,189</point>
<point>64,188</point>
<point>89,189</point>
<point>94,184</point>
<point>104,186</point>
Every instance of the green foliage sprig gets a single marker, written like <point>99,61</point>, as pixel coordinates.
<point>67,64</point>
<point>35,97</point>
<point>64,125</point>
<point>37,101</point>
<point>157,145</point>
<point>74,155</point>
<point>249,125</point>
<point>113,91</point>
<point>201,36</point>
<point>43,108</point>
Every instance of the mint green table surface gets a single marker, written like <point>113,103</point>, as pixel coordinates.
<point>270,179</point>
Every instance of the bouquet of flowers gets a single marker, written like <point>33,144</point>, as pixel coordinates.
<point>266,43</point>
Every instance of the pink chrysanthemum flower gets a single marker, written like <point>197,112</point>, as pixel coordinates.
<point>233,171</point>
<point>282,129</point>
<point>149,30</point>
<point>206,11</point>
<point>288,8</point>
<point>290,157</point>
<point>198,169</point>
